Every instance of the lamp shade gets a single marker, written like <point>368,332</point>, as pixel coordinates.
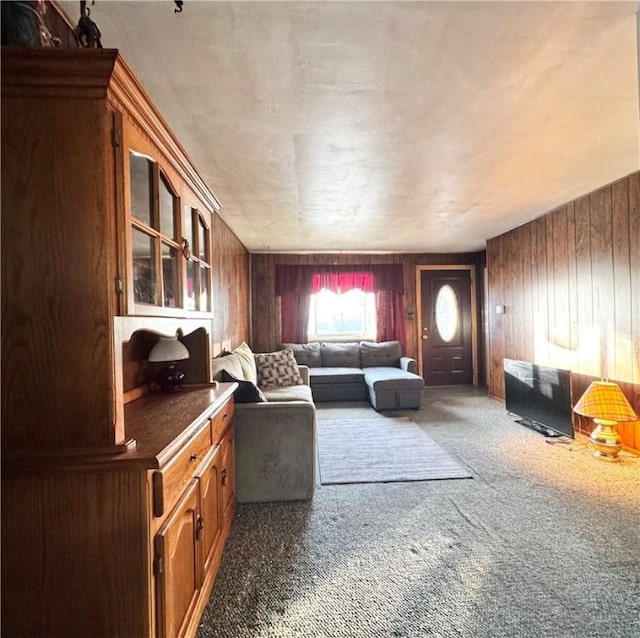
<point>604,400</point>
<point>168,349</point>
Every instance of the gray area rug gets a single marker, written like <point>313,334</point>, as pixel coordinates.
<point>380,450</point>
<point>544,542</point>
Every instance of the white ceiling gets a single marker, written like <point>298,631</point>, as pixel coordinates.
<point>388,126</point>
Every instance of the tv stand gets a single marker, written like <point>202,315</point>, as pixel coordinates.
<point>538,427</point>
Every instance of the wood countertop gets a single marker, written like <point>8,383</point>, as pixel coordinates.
<point>156,425</point>
<point>160,423</point>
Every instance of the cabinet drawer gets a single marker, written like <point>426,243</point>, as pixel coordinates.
<point>221,421</point>
<point>170,481</point>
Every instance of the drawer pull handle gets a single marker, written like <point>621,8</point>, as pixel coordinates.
<point>199,526</point>
<point>193,457</point>
<point>224,477</point>
<point>225,415</point>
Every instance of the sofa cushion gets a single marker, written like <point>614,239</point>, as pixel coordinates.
<point>392,379</point>
<point>322,376</point>
<point>246,392</point>
<point>306,354</point>
<point>247,361</point>
<point>229,362</point>
<point>340,355</point>
<point>385,353</point>
<point>289,393</point>
<point>277,368</point>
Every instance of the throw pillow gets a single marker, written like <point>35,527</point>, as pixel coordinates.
<point>277,369</point>
<point>247,362</point>
<point>229,362</point>
<point>246,392</point>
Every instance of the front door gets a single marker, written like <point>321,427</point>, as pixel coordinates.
<point>446,331</point>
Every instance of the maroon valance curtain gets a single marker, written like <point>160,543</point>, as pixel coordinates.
<point>342,281</point>
<point>295,284</point>
<point>306,280</point>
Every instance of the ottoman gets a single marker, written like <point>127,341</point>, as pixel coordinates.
<point>393,388</point>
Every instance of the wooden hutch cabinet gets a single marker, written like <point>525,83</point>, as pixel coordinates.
<point>116,499</point>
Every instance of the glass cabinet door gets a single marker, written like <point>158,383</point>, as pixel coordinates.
<point>154,242</point>
<point>170,244</point>
<point>196,232</point>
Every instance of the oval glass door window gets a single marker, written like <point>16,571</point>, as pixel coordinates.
<point>447,313</point>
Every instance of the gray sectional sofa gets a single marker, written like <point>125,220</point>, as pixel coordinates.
<point>275,434</point>
<point>275,425</point>
<point>359,371</point>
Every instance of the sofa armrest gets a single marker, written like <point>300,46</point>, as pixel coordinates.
<point>304,373</point>
<point>275,451</point>
<point>409,365</point>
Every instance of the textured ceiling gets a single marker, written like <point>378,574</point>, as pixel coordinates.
<point>388,126</point>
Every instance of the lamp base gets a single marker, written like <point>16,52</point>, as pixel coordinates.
<point>169,378</point>
<point>606,441</point>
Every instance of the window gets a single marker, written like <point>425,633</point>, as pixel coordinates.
<point>447,311</point>
<point>342,316</point>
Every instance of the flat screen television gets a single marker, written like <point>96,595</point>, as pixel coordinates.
<point>541,395</point>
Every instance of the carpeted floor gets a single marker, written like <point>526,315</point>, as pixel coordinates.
<point>544,542</point>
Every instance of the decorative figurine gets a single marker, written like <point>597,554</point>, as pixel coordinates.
<point>87,32</point>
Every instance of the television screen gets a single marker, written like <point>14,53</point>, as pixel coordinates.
<point>541,395</point>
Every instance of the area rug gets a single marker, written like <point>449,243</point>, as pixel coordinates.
<point>381,450</point>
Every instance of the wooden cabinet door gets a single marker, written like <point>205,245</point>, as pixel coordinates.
<point>210,505</point>
<point>227,472</point>
<point>178,565</point>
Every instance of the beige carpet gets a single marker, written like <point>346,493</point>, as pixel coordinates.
<point>381,450</point>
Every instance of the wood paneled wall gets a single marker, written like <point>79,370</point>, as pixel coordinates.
<point>266,325</point>
<point>231,289</point>
<point>570,281</point>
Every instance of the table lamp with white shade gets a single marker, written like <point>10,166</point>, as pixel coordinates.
<point>169,350</point>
